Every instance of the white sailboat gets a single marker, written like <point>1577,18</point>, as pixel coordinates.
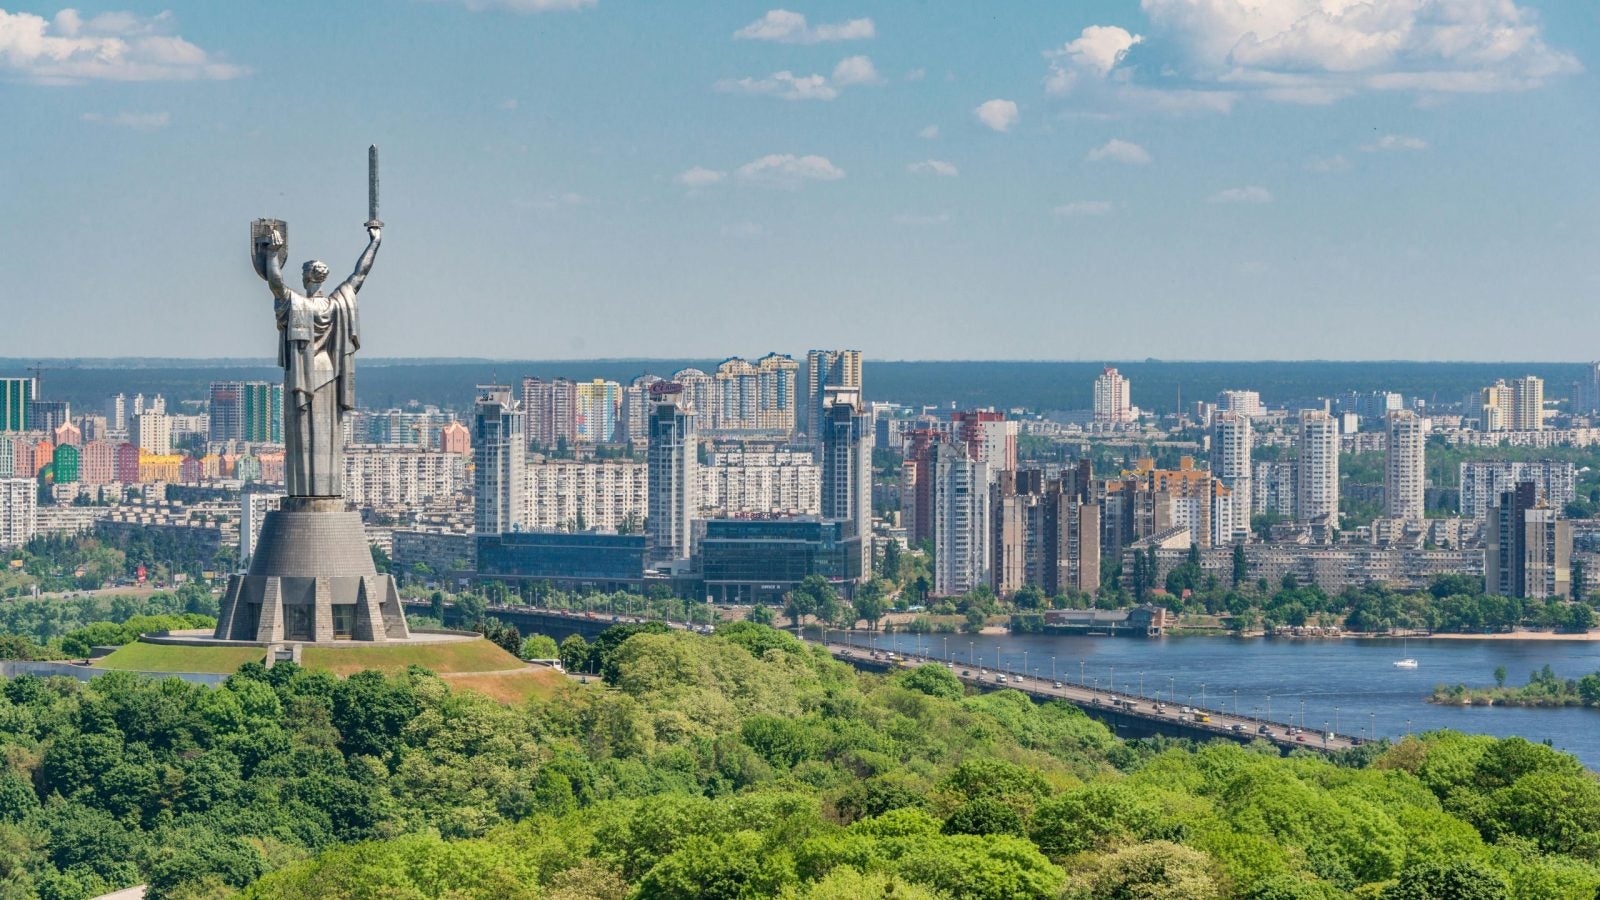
<point>1407,662</point>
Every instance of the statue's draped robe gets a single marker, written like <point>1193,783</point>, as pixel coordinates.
<point>319,337</point>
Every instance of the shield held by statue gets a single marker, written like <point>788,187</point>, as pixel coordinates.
<point>261,236</point>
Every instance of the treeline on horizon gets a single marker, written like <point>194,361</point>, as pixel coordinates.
<point>1038,385</point>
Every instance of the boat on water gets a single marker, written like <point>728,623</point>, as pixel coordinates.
<point>1407,662</point>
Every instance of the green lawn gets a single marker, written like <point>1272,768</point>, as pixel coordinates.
<point>455,656</point>
<point>142,657</point>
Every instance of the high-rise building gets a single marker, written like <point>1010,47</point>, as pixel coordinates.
<point>498,455</point>
<point>1113,398</point>
<point>551,409</point>
<point>261,415</point>
<point>1045,531</point>
<point>961,536</point>
<point>758,396</point>
<point>1405,470</point>
<point>67,433</point>
<point>456,438</point>
<point>760,482</point>
<point>845,439</point>
<point>1245,403</point>
<point>672,458</point>
<point>1515,405</point>
<point>1316,492</point>
<point>117,412</point>
<point>253,509</point>
<point>98,463</point>
<point>633,422</point>
<point>1529,546</point>
<point>16,402</point>
<point>1482,481</point>
<point>1586,390</point>
<point>597,404</point>
<point>1273,485</point>
<point>1232,443</point>
<point>574,495</point>
<point>226,411</point>
<point>64,464</point>
<point>127,463</point>
<point>152,432</point>
<point>989,437</point>
<point>19,511</point>
<point>1147,501</point>
<point>825,369</point>
<point>916,483</point>
<point>1527,403</point>
<point>48,415</point>
<point>390,477</point>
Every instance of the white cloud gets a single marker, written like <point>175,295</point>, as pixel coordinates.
<point>786,170</point>
<point>1328,165</point>
<point>855,70</point>
<point>1120,151</point>
<point>509,103</point>
<point>787,27</point>
<point>1396,142</point>
<point>929,133</point>
<point>917,74</point>
<point>934,167</point>
<point>1317,50</point>
<point>789,86</point>
<point>1248,194</point>
<point>999,115</point>
<point>699,177</point>
<point>529,6</point>
<point>109,47</point>
<point>1096,51</point>
<point>1079,208</point>
<point>919,220</point>
<point>784,85</point>
<point>137,121</point>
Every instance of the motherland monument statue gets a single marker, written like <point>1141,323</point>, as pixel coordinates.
<point>312,577</point>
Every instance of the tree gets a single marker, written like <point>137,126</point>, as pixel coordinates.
<point>891,561</point>
<point>540,646</point>
<point>1461,879</point>
<point>1241,567</point>
<point>1500,676</point>
<point>869,603</point>
<point>760,614</point>
<point>574,653</point>
<point>935,681</point>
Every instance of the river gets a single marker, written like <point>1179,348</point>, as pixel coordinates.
<point>1349,680</point>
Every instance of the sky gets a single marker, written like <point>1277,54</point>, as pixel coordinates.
<point>1176,179</point>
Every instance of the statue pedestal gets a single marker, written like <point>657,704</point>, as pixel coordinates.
<point>312,579</point>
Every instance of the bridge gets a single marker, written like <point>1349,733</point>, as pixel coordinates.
<point>1129,715</point>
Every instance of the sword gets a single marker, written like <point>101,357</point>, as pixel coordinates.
<point>372,188</point>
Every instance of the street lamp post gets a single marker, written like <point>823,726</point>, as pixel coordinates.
<point>946,648</point>
<point>1202,695</point>
<point>969,653</point>
<point>1236,701</point>
<point>1336,720</point>
<point>1141,685</point>
<point>1052,670</point>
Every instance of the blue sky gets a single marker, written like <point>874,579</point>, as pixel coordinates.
<point>1196,179</point>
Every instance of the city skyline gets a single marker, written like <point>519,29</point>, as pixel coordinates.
<point>1057,167</point>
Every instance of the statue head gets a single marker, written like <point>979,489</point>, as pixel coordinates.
<point>314,273</point>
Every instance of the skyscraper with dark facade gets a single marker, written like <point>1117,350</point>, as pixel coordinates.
<point>672,459</point>
<point>498,454</point>
<point>846,439</point>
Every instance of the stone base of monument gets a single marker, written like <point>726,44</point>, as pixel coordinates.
<point>312,580</point>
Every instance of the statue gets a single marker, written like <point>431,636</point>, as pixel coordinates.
<point>318,337</point>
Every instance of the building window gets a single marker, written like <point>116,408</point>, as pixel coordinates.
<point>298,626</point>
<point>344,622</point>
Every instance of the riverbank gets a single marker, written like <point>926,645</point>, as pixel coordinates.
<point>1512,636</point>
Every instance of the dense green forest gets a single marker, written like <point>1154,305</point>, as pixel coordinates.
<point>742,764</point>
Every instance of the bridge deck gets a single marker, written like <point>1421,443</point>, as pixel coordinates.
<point>1218,723</point>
